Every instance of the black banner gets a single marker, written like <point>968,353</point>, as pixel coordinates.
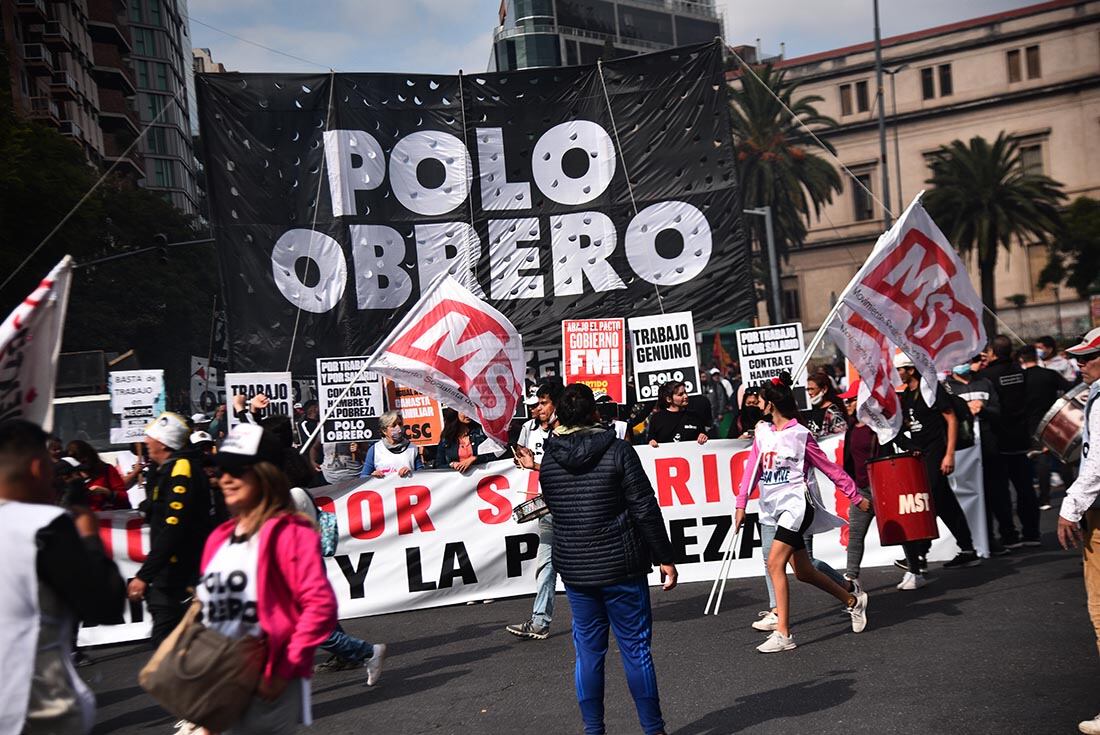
<point>336,198</point>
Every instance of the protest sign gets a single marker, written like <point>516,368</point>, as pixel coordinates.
<point>355,418</point>
<point>206,392</point>
<point>422,415</point>
<point>663,349</point>
<point>595,354</point>
<point>137,397</point>
<point>441,537</point>
<point>521,195</point>
<point>276,386</point>
<point>767,351</point>
<point>305,389</point>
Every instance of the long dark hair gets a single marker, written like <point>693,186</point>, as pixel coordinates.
<point>665,393</point>
<point>452,427</point>
<point>83,452</point>
<point>777,392</point>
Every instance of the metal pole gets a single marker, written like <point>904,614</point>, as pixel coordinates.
<point>887,220</point>
<point>897,146</point>
<point>773,259</point>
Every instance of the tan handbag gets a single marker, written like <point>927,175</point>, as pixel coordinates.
<point>202,676</point>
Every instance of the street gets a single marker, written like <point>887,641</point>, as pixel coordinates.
<point>1003,647</point>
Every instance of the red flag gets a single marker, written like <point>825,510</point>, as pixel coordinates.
<point>871,354</point>
<point>30,340</point>
<point>457,349</point>
<point>721,357</point>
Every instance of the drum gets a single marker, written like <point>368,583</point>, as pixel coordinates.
<point>1061,427</point>
<point>902,498</point>
<point>530,510</point>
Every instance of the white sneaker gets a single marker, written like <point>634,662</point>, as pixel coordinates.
<point>858,611</point>
<point>857,588</point>
<point>1090,727</point>
<point>768,620</point>
<point>777,642</point>
<point>374,664</point>
<point>183,727</point>
<point>912,581</point>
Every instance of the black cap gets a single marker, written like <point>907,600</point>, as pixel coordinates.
<point>248,444</point>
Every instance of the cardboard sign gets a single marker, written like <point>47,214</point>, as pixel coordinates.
<point>767,351</point>
<point>663,349</point>
<point>595,354</point>
<point>355,419</point>
<point>137,397</point>
<point>422,415</point>
<point>276,386</point>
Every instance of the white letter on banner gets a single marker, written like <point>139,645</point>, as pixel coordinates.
<point>345,174</point>
<point>379,251</point>
<point>421,146</point>
<point>574,262</point>
<point>326,253</point>
<point>496,192</point>
<point>507,259</point>
<point>546,162</point>
<point>434,244</point>
<point>641,243</point>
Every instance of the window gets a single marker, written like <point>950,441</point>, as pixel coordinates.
<point>135,11</point>
<point>864,207</point>
<point>647,25</point>
<point>927,83</point>
<point>845,99</point>
<point>154,13</point>
<point>157,140</point>
<point>1013,60</point>
<point>145,42</point>
<point>590,15</point>
<point>161,81</point>
<point>142,68</point>
<point>1031,158</point>
<point>946,87</point>
<point>153,107</point>
<point>792,305</point>
<point>861,97</point>
<point>162,172</point>
<point>1031,54</point>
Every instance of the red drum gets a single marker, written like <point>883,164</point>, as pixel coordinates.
<point>902,498</point>
<point>1061,427</point>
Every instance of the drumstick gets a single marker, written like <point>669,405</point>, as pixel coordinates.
<point>723,570</point>
<point>725,577</point>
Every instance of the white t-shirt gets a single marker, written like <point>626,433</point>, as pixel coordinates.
<point>227,589</point>
<point>534,437</point>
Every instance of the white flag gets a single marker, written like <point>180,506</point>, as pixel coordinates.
<point>30,340</point>
<point>871,354</point>
<point>914,290</point>
<point>457,349</point>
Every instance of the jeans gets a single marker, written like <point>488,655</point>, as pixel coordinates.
<point>347,647</point>
<point>167,606</point>
<point>947,508</point>
<point>858,524</point>
<point>546,578</point>
<point>767,535</point>
<point>625,609</point>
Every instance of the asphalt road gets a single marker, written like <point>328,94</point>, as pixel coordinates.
<point>1005,647</point>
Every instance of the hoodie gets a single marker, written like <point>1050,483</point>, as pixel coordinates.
<point>608,527</point>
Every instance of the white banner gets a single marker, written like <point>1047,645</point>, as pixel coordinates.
<point>276,386</point>
<point>663,349</point>
<point>137,397</point>
<point>441,538</point>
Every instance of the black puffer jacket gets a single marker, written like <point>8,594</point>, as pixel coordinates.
<point>607,524</point>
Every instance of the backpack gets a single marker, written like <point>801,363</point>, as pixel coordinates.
<point>964,438</point>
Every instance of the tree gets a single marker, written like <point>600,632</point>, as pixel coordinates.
<point>776,165</point>
<point>1075,256</point>
<point>983,200</point>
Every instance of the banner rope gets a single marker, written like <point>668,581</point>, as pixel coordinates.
<point>470,249</point>
<point>626,169</point>
<point>316,209</point>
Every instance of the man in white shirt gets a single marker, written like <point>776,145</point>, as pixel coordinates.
<point>1082,501</point>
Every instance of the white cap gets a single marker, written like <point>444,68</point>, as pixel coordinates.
<point>73,461</point>
<point>199,418</point>
<point>201,436</point>
<point>902,360</point>
<point>715,371</point>
<point>170,430</point>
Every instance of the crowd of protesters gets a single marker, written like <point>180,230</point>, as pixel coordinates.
<point>235,531</point>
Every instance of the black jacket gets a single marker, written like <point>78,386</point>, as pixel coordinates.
<point>181,512</point>
<point>607,524</point>
<point>1008,380</point>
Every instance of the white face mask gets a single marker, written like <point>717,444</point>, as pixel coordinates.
<point>1042,354</point>
<point>816,400</point>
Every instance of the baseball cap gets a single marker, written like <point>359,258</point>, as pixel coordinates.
<point>1088,347</point>
<point>201,437</point>
<point>199,418</point>
<point>169,429</point>
<point>601,397</point>
<point>902,360</point>
<point>852,392</point>
<point>715,371</point>
<point>248,444</point>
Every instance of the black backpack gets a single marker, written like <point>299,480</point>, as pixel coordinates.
<point>964,438</point>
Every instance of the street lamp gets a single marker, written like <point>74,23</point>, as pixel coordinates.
<point>894,116</point>
<point>773,261</point>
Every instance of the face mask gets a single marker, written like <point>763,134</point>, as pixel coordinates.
<point>750,417</point>
<point>397,433</point>
<point>816,400</point>
<point>1042,354</point>
<point>961,370</point>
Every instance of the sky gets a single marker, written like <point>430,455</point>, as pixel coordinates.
<point>443,36</point>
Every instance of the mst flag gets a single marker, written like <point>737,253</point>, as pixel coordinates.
<point>30,339</point>
<point>871,355</point>
<point>914,290</point>
<point>459,350</point>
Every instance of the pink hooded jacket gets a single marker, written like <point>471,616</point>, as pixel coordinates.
<point>297,607</point>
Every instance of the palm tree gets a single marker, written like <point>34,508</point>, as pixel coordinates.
<point>776,164</point>
<point>983,199</point>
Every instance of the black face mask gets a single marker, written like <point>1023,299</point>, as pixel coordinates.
<point>751,416</point>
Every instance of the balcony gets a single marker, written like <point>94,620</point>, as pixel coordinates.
<point>125,166</point>
<point>63,86</point>
<point>114,77</point>
<point>110,32</point>
<point>32,10</point>
<point>46,110</point>
<point>118,123</point>
<point>71,129</point>
<point>38,59</point>
<point>57,36</point>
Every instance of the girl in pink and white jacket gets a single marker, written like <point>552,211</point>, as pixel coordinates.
<point>783,459</point>
<point>262,575</point>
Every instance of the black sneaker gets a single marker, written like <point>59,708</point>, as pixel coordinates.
<point>529,630</point>
<point>997,549</point>
<point>1031,543</point>
<point>963,559</point>
<point>335,663</point>
<point>1011,542</point>
<point>922,564</point>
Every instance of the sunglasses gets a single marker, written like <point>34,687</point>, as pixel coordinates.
<point>237,472</point>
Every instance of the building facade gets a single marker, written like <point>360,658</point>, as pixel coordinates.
<point>1033,73</point>
<point>543,33</point>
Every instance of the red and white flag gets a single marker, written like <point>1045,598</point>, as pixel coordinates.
<point>30,340</point>
<point>871,355</point>
<point>457,349</point>
<point>916,292</point>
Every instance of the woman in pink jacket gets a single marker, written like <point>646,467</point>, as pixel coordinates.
<point>262,575</point>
